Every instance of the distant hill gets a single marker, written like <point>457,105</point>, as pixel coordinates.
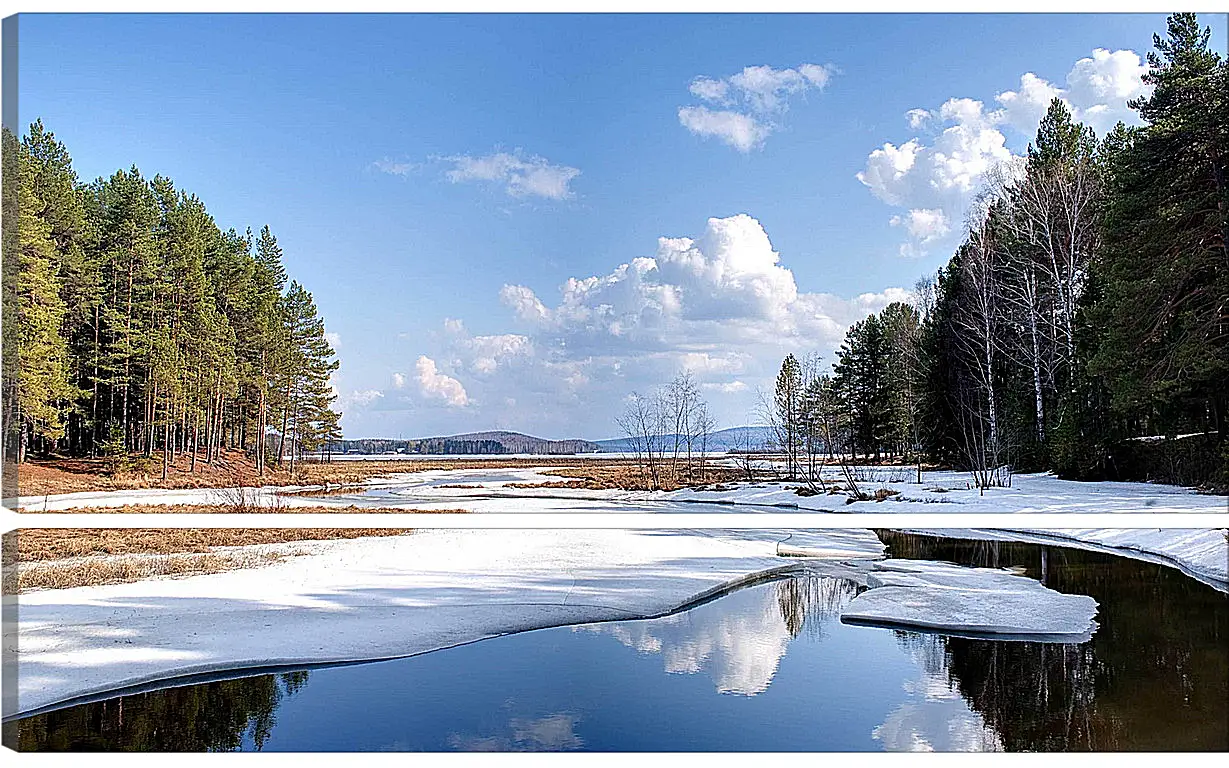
<point>732,439</point>
<point>494,442</point>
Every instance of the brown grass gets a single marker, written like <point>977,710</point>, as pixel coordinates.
<point>44,477</point>
<point>226,509</point>
<point>627,476</point>
<point>38,544</point>
<point>124,569</point>
<point>47,558</point>
<point>52,476</point>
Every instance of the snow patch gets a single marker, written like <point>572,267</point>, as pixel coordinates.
<point>978,601</point>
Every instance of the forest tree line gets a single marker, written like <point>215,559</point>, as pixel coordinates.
<point>1083,323</point>
<point>143,327</point>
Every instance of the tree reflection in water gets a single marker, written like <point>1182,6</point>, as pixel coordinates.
<point>1155,675</point>
<point>810,602</point>
<point>210,717</point>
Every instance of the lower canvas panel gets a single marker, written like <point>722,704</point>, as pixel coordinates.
<point>624,640</point>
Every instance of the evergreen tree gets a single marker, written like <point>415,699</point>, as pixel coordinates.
<point>142,327</point>
<point>43,387</point>
<point>862,378</point>
<point>786,413</point>
<point>1163,301</point>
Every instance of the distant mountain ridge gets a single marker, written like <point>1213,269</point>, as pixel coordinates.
<point>489,442</point>
<point>732,439</point>
<point>501,441</point>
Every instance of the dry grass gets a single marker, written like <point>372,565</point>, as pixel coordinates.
<point>52,476</point>
<point>39,544</point>
<point>125,568</point>
<point>73,557</point>
<point>227,509</point>
<point>627,476</point>
<point>41,477</point>
<point>235,471</point>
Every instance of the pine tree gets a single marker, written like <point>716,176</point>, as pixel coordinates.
<point>43,386</point>
<point>143,326</point>
<point>1163,302</point>
<point>786,413</point>
<point>865,387</point>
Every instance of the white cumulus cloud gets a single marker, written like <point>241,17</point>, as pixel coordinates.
<point>924,225</point>
<point>436,385</point>
<point>935,176</point>
<point>721,304</point>
<point>357,398</point>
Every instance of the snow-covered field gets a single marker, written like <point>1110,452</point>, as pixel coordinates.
<point>1203,554</point>
<point>367,599</point>
<point>945,492</point>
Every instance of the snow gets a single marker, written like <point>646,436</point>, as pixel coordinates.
<point>1202,553</point>
<point>977,601</point>
<point>366,599</point>
<point>1036,494</point>
<point>1040,493</point>
<point>379,598</point>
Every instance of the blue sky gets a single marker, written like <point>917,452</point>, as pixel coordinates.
<point>436,181</point>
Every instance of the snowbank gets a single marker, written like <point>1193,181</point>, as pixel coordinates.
<point>976,601</point>
<point>945,492</point>
<point>1201,553</point>
<point>367,599</point>
<point>949,493</point>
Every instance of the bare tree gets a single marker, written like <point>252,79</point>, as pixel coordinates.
<point>702,426</point>
<point>641,422</point>
<point>665,431</point>
<point>744,457</point>
<point>978,319</point>
<point>681,401</point>
<point>812,416</point>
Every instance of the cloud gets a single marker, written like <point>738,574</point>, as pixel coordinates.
<point>934,177</point>
<point>398,381</point>
<point>1024,108</point>
<point>918,117</point>
<point>753,100</point>
<point>523,175</point>
<point>924,226</point>
<point>435,385</point>
<point>334,340</point>
<point>943,174</point>
<point>523,301</point>
<point>722,304</point>
<point>726,387</point>
<point>743,132</point>
<point>396,167</point>
<point>357,399</point>
<point>488,353</point>
<point>1100,86</point>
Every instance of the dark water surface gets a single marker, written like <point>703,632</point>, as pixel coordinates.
<point>767,668</point>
